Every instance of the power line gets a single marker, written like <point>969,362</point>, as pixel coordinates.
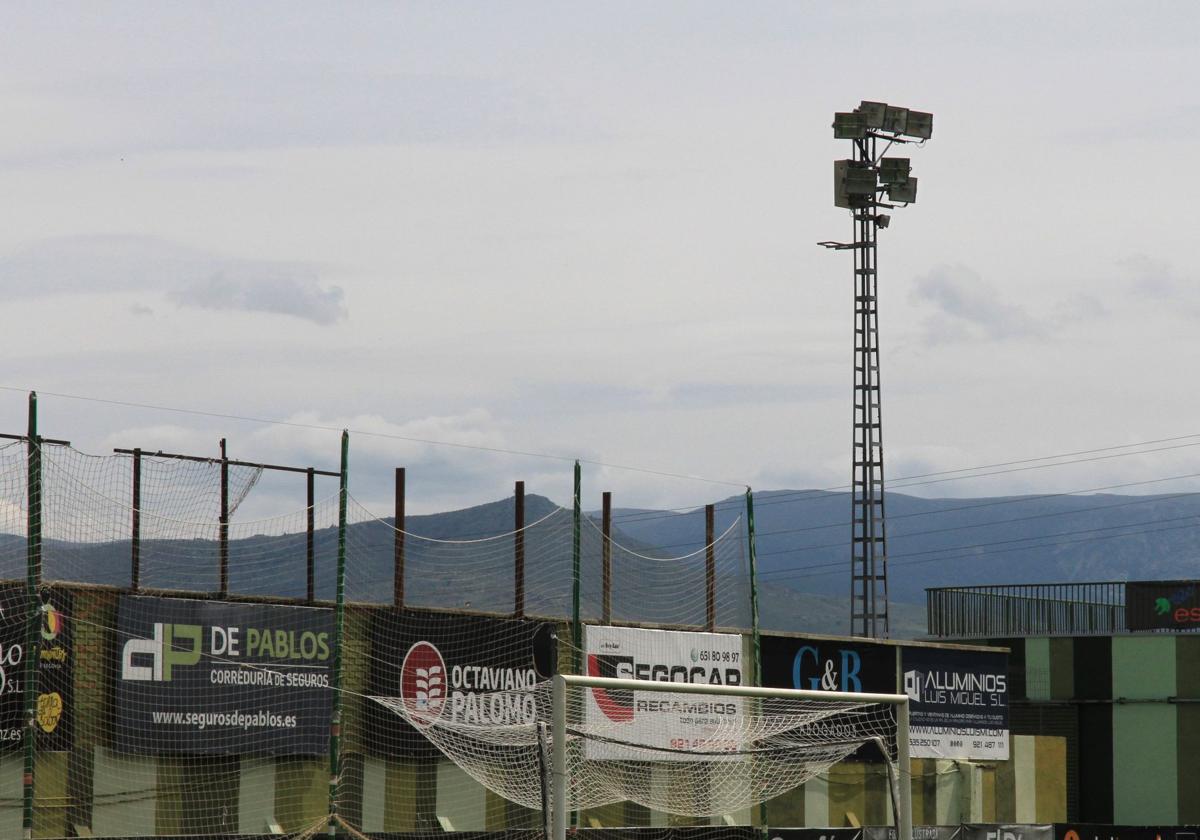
<point>981,525</point>
<point>902,559</point>
<point>364,433</point>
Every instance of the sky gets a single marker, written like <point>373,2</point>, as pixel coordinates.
<point>589,231</point>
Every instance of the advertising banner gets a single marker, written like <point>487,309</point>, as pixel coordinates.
<point>958,703</point>
<point>449,666</point>
<point>1162,605</point>
<point>818,833</point>
<point>1093,831</point>
<point>919,832</point>
<point>676,723</point>
<point>997,831</point>
<point>831,665</point>
<point>828,665</point>
<point>210,677</point>
<point>55,712</point>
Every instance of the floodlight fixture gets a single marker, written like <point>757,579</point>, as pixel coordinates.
<point>919,124</point>
<point>883,220</point>
<point>894,170</point>
<point>904,193</point>
<point>872,113</point>
<point>848,125</point>
<point>895,120</point>
<point>854,184</point>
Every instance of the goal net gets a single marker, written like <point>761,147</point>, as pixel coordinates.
<point>580,742</point>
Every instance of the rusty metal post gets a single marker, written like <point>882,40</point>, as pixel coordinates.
<point>398,559</point>
<point>519,549</point>
<point>310,552</point>
<point>710,567</point>
<point>135,525</point>
<point>223,538</point>
<point>606,557</point>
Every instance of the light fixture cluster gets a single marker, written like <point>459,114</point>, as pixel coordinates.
<point>856,183</point>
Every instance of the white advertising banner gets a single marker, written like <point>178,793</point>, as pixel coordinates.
<point>958,703</point>
<point>675,723</point>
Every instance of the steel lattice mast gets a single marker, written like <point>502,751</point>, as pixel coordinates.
<point>859,183</point>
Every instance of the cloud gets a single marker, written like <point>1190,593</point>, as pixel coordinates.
<point>1149,277</point>
<point>968,308</point>
<point>251,290</point>
<point>189,277</point>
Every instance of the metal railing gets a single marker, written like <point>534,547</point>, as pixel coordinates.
<point>1042,609</point>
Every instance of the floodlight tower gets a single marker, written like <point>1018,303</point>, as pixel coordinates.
<point>859,185</point>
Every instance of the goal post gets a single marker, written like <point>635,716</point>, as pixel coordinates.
<point>729,746</point>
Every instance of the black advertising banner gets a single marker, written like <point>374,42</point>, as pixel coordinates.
<point>998,831</point>
<point>55,712</point>
<point>958,703</point>
<point>828,665</point>
<point>210,677</point>
<point>1162,605</point>
<point>815,834</point>
<point>919,832</point>
<point>1094,831</point>
<point>440,665</point>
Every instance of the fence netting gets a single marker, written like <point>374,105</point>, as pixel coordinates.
<point>191,676</point>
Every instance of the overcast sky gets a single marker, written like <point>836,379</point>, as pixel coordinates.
<point>588,230</point>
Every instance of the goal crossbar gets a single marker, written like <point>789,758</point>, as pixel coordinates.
<point>558,759</point>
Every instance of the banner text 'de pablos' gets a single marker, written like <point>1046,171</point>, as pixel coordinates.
<point>211,677</point>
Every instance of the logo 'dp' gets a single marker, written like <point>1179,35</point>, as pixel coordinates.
<point>171,645</point>
<point>423,684</point>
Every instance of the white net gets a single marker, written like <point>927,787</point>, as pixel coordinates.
<point>184,670</point>
<point>678,753</point>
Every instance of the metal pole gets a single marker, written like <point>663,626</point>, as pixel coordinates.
<point>606,558</point>
<point>310,550</point>
<point>335,726</point>
<point>135,527</point>
<point>398,549</point>
<point>223,537</point>
<point>33,581</point>
<point>757,641</point>
<point>577,628</point>
<point>904,772</point>
<point>558,759</point>
<point>753,587</point>
<point>710,568</point>
<point>519,549</point>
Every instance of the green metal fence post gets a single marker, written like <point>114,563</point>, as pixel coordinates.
<point>754,628</point>
<point>577,628</point>
<point>753,588</point>
<point>33,581</point>
<point>335,726</point>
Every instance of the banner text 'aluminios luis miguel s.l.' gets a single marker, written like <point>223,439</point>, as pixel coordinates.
<point>450,667</point>
<point>958,703</point>
<point>209,677</point>
<point>54,714</point>
<point>678,722</point>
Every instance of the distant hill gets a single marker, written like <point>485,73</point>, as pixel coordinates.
<point>802,548</point>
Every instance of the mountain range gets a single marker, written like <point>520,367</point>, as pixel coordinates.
<point>801,540</point>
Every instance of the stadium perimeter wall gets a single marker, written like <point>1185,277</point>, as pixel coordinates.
<point>1128,708</point>
<point>93,786</point>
